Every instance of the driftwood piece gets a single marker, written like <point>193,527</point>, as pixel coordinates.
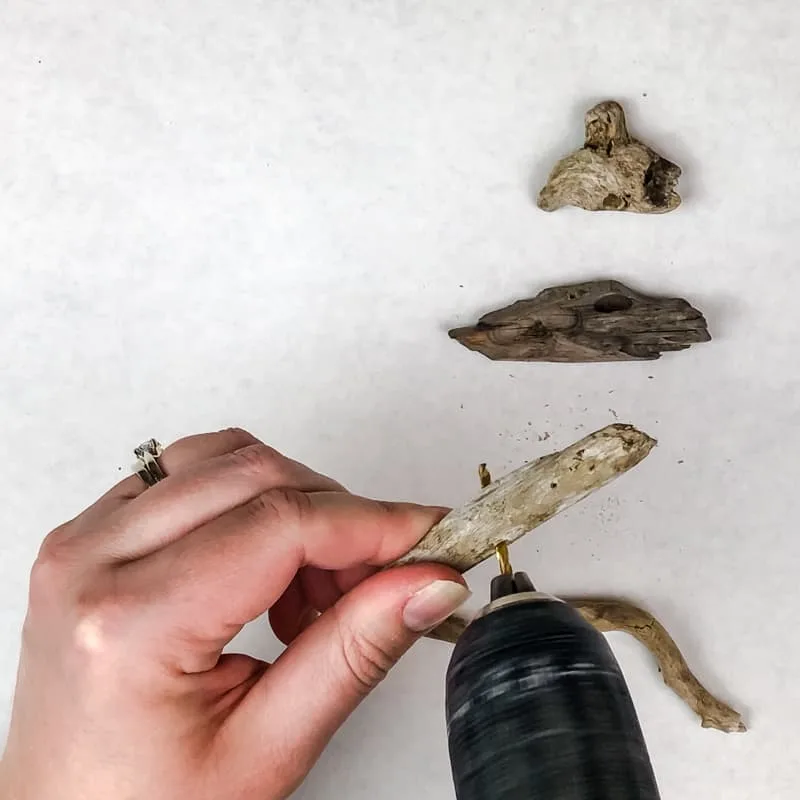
<point>623,617</point>
<point>617,615</point>
<point>530,495</point>
<point>612,171</point>
<point>597,321</point>
<point>525,498</point>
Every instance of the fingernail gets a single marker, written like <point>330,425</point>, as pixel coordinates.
<point>433,604</point>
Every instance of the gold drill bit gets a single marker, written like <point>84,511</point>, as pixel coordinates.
<point>501,551</point>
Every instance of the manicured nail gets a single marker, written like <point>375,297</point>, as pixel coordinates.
<point>443,511</point>
<point>433,604</point>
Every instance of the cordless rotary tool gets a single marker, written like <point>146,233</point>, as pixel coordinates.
<point>537,707</point>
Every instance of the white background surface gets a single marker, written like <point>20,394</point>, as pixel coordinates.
<point>268,214</point>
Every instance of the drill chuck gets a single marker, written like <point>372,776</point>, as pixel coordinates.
<point>537,707</point>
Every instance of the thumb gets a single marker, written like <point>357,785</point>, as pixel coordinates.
<point>325,673</point>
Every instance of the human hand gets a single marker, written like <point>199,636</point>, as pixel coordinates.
<point>123,691</point>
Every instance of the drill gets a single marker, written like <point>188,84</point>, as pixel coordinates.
<point>537,707</point>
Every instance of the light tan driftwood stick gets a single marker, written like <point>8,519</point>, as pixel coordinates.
<point>525,498</point>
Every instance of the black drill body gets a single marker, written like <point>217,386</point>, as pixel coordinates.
<point>537,706</point>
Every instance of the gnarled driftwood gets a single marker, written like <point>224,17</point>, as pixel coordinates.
<point>586,322</point>
<point>612,171</point>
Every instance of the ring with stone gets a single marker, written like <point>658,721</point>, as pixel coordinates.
<point>148,468</point>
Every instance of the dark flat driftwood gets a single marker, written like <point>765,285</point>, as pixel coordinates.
<point>612,171</point>
<point>586,322</point>
<point>520,501</point>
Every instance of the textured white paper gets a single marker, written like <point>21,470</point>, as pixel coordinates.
<point>268,214</point>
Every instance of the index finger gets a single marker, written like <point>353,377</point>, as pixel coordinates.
<point>228,572</point>
<point>206,476</point>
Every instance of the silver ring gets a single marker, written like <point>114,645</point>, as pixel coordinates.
<point>148,469</point>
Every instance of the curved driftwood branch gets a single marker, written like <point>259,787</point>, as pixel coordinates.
<point>613,615</point>
<point>617,615</point>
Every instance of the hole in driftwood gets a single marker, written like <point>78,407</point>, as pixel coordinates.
<point>612,302</point>
<point>611,201</point>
